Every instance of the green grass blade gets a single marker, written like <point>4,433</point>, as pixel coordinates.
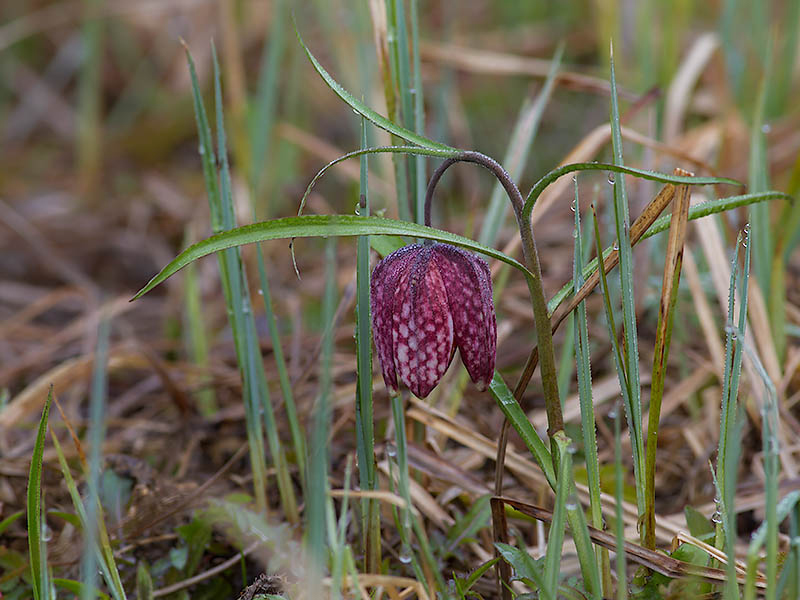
<point>318,226</point>
<point>420,173</point>
<point>758,181</point>
<point>267,98</point>
<point>522,137</point>
<point>400,66</point>
<point>631,348</point>
<point>260,142</point>
<point>144,583</point>
<point>519,421</point>
<point>37,549</point>
<point>619,524</point>
<point>365,429</point>
<point>583,545</point>
<point>767,533</point>
<point>318,463</point>
<point>364,110</point>
<point>104,556</point>
<point>196,340</point>
<point>547,179</point>
<point>97,401</point>
<point>555,541</point>
<point>584,372</point>
<point>525,568</point>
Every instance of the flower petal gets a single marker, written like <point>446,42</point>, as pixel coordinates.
<point>469,292</point>
<point>383,284</point>
<point>422,328</point>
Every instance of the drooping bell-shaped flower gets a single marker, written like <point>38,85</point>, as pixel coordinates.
<point>428,300</point>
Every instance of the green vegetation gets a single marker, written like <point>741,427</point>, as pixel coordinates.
<point>225,430</point>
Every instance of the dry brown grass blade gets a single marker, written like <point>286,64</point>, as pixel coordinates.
<point>680,90</point>
<point>69,333</point>
<point>427,462</point>
<point>68,372</point>
<point>523,468</point>
<point>421,500</point>
<point>703,312</point>
<point>37,307</point>
<point>503,63</point>
<point>669,295</point>
<point>656,561</point>
<point>391,583</point>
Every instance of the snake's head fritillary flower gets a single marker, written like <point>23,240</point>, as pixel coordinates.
<point>428,300</point>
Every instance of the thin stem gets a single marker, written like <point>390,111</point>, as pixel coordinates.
<point>555,419</point>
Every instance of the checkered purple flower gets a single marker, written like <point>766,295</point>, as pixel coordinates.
<point>428,300</point>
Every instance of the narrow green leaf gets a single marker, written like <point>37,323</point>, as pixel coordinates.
<point>519,421</point>
<point>633,404</point>
<point>550,177</point>
<point>144,583</point>
<point>364,110</point>
<point>525,568</point>
<point>318,226</point>
<point>555,541</point>
<point>38,553</point>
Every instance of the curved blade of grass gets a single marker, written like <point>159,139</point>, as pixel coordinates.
<point>374,150</point>
<point>37,554</point>
<point>550,177</point>
<point>660,225</point>
<point>318,226</point>
<point>364,110</point>
<point>519,420</point>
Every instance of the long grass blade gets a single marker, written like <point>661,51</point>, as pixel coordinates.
<point>97,429</point>
<point>365,110</point>
<point>365,429</point>
<point>519,421</point>
<point>555,541</point>
<point>37,548</point>
<point>669,296</point>
<point>318,463</point>
<point>584,373</point>
<point>633,404</point>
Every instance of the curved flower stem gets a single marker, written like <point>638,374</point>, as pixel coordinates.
<point>555,421</point>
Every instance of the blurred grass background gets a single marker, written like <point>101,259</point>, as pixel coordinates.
<point>101,184</point>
